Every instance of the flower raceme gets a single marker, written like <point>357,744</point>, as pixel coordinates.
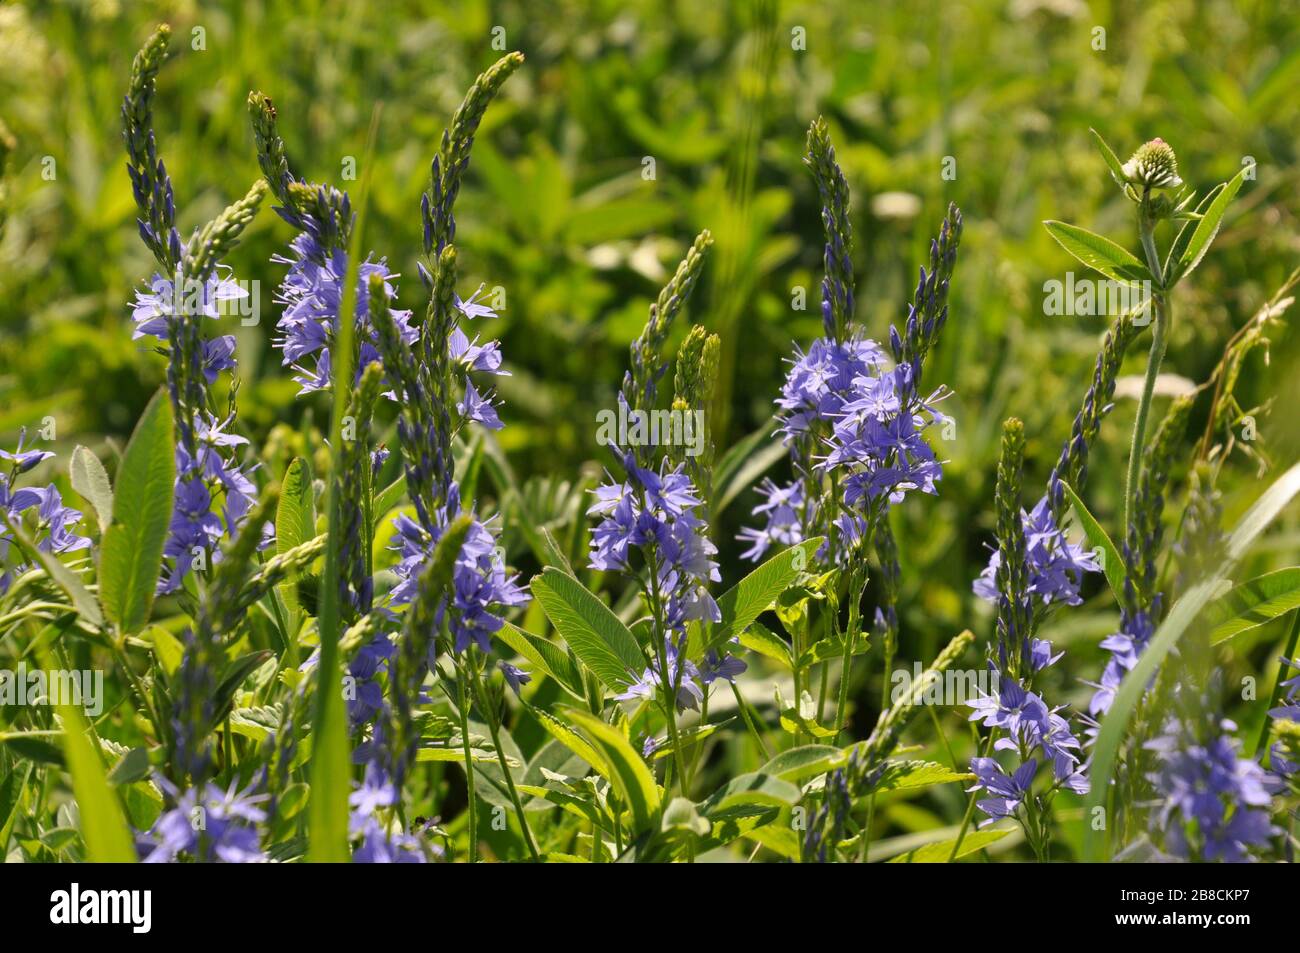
<point>481,587</point>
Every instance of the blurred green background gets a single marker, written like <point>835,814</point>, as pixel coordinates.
<point>556,211</point>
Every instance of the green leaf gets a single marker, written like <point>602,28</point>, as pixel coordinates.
<point>742,465</point>
<point>131,557</point>
<point>1184,612</point>
<point>131,767</point>
<point>1111,562</point>
<point>747,790</point>
<point>103,824</point>
<point>627,771</point>
<point>759,638</point>
<point>1254,603</point>
<point>602,642</point>
<point>1208,227</point>
<point>295,521</point>
<point>167,649</point>
<point>746,600</point>
<point>803,718</point>
<point>904,775</point>
<point>566,736</point>
<point>1098,253</point>
<point>1184,236</point>
<point>12,791</point>
<point>805,761</point>
<point>90,479</point>
<point>64,577</point>
<point>546,658</point>
<point>34,746</point>
<point>1112,161</point>
<point>940,852</point>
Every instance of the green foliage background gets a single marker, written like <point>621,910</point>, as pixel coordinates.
<point>556,211</point>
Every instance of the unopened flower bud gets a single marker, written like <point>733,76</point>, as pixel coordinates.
<point>1154,166</point>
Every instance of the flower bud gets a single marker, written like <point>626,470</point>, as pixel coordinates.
<point>1154,166</point>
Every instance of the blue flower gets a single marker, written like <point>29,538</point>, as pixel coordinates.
<point>478,409</point>
<point>1125,647</point>
<point>655,513</point>
<point>206,824</point>
<point>1056,565</point>
<point>515,677</point>
<point>1213,802</point>
<point>311,294</point>
<point>689,691</point>
<point>24,460</point>
<point>480,585</point>
<point>821,381</point>
<point>1007,790</point>
<point>378,846</point>
<point>783,508</point>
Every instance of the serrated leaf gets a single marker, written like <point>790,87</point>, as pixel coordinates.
<point>546,657</point>
<point>596,635</point>
<point>1254,603</point>
<point>904,775</point>
<point>90,479</point>
<point>295,521</point>
<point>1099,253</point>
<point>805,761</point>
<point>131,555</point>
<point>759,638</point>
<point>746,600</point>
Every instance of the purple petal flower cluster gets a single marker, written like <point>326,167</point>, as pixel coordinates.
<point>1056,565</point>
<point>201,478</point>
<point>1125,647</point>
<point>155,310</point>
<point>1028,723</point>
<point>681,672</point>
<point>378,845</point>
<point>821,381</point>
<point>1007,791</point>
<point>877,444</point>
<point>783,509</point>
<point>1213,802</point>
<point>481,586</point>
<point>206,824</point>
<point>841,396</point>
<point>656,514</point>
<point>311,294</point>
<point>55,522</point>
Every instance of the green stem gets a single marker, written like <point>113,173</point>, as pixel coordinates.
<point>495,730</point>
<point>1159,343</point>
<point>463,705</point>
<point>746,714</point>
<point>1289,653</point>
<point>970,806</point>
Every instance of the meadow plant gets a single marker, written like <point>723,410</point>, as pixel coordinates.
<point>329,654</point>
